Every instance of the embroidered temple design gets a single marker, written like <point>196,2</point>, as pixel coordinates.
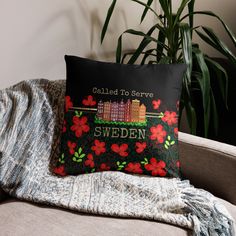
<point>131,111</point>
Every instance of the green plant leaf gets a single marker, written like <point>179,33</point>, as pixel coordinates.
<point>108,17</point>
<point>76,154</point>
<point>149,3</point>
<point>148,7</point>
<point>79,160</point>
<point>133,32</point>
<point>82,155</point>
<point>221,76</point>
<point>219,45</point>
<point>166,147</point>
<point>182,6</point>
<point>190,10</point>
<point>74,159</point>
<point>204,82</point>
<point>172,143</point>
<point>80,150</point>
<point>161,38</point>
<point>185,32</point>
<point>210,13</point>
<point>144,43</point>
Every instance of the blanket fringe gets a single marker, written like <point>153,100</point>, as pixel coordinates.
<point>209,217</point>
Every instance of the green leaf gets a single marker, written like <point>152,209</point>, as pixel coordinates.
<point>108,17</point>
<point>210,13</point>
<point>142,45</point>
<point>180,11</point>
<point>74,159</point>
<point>137,33</point>
<point>172,143</point>
<point>82,155</point>
<point>149,3</point>
<point>80,150</point>
<point>166,147</point>
<point>143,162</point>
<point>219,45</point>
<point>79,160</point>
<point>190,10</point>
<point>148,7</point>
<point>124,162</point>
<point>161,38</point>
<point>118,163</point>
<point>204,82</point>
<point>167,143</point>
<point>145,159</point>
<point>76,154</point>
<point>187,48</point>
<point>221,76</point>
<point>168,137</point>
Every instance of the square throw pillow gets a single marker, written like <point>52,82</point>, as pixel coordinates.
<point>120,118</point>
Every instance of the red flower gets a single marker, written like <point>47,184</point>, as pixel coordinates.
<point>64,127</point>
<point>80,125</point>
<point>99,147</point>
<point>178,164</point>
<point>60,170</point>
<point>90,161</point>
<point>89,101</point>
<point>121,150</point>
<point>176,131</point>
<point>158,133</point>
<point>134,168</point>
<point>68,103</point>
<point>170,117</point>
<point>156,104</point>
<point>140,147</point>
<point>157,167</point>
<point>104,167</point>
<point>71,147</point>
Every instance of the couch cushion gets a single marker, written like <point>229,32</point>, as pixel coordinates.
<point>21,218</point>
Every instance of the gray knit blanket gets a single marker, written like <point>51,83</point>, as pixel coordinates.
<point>31,115</point>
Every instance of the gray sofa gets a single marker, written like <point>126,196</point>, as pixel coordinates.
<point>207,164</point>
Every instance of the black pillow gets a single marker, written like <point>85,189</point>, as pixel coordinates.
<point>120,117</point>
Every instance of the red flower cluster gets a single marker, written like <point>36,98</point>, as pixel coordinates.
<point>156,104</point>
<point>89,161</point>
<point>60,170</point>
<point>170,117</point>
<point>134,168</point>
<point>99,147</point>
<point>176,131</point>
<point>68,103</point>
<point>71,147</point>
<point>157,168</point>
<point>158,133</point>
<point>140,147</point>
<point>121,150</point>
<point>89,101</point>
<point>80,125</point>
<point>104,167</point>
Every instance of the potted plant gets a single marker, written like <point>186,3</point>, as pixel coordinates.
<point>170,40</point>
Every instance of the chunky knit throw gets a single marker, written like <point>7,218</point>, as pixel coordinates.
<point>31,115</point>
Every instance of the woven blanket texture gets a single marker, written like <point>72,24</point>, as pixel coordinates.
<point>31,116</point>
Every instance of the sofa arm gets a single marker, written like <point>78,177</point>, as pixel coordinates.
<point>209,165</point>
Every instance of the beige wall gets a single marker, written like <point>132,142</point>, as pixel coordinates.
<point>35,34</point>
